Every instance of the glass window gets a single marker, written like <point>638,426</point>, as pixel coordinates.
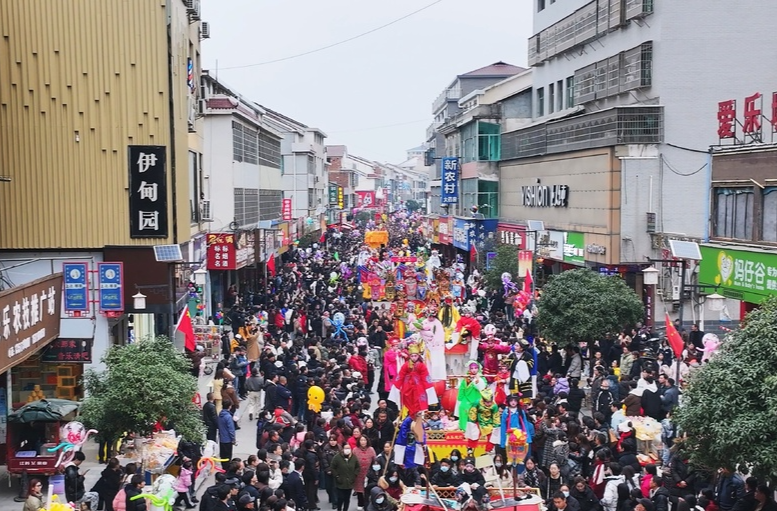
<point>769,215</point>
<point>570,92</point>
<point>540,5</point>
<point>734,213</point>
<point>269,150</point>
<point>244,143</point>
<point>540,102</point>
<point>551,98</point>
<point>194,187</point>
<point>489,141</point>
<point>560,95</point>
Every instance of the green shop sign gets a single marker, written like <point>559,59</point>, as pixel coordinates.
<point>574,248</point>
<point>741,275</point>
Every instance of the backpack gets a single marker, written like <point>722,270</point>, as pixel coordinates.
<point>120,501</point>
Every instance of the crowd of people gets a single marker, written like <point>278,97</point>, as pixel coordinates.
<point>583,405</point>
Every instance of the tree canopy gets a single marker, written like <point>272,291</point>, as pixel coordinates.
<point>142,383</point>
<point>582,305</point>
<point>506,261</point>
<point>730,404</point>
<point>413,205</point>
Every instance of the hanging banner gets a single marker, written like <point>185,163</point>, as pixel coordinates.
<point>221,251</point>
<point>525,262</point>
<point>365,199</point>
<point>286,209</point>
<point>76,286</point>
<point>110,287</point>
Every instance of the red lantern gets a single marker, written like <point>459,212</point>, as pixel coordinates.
<point>449,398</point>
<point>439,388</point>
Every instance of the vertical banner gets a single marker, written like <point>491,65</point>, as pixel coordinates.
<point>110,277</point>
<point>525,262</point>
<point>147,191</point>
<point>286,209</point>
<point>450,180</point>
<point>76,287</point>
<point>333,194</point>
<point>222,254</point>
<point>340,198</point>
<point>490,257</point>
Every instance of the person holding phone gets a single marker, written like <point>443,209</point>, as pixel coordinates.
<point>74,483</point>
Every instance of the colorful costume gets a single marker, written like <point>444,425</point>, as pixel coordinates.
<point>515,418</point>
<point>522,380</point>
<point>467,330</point>
<point>483,421</point>
<point>413,387</point>
<point>469,395</point>
<point>434,340</point>
<point>491,349</point>
<point>409,445</point>
<point>449,317</point>
<point>392,362</point>
<point>501,384</point>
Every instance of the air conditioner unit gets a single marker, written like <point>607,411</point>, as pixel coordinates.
<point>206,214</point>
<point>191,6</point>
<point>202,106</point>
<point>676,292</point>
<point>205,30</point>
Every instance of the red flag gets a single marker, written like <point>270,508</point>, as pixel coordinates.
<point>271,265</point>
<point>185,327</point>
<point>674,338</point>
<point>473,253</point>
<point>527,282</point>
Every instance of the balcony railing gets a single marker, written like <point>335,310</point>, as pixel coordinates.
<point>616,126</point>
<point>445,96</point>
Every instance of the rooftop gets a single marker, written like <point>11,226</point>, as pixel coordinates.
<point>496,69</point>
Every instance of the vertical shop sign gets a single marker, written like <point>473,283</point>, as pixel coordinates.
<point>450,180</point>
<point>222,254</point>
<point>333,194</point>
<point>76,288</point>
<point>286,209</point>
<point>148,191</point>
<point>110,277</point>
<point>340,198</point>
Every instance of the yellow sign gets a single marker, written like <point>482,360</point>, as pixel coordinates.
<point>340,201</point>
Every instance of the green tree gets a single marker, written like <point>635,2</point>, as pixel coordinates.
<point>730,404</point>
<point>362,217</point>
<point>142,383</point>
<point>582,305</point>
<point>413,205</point>
<point>506,261</point>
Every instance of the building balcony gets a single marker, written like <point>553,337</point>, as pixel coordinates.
<point>302,147</point>
<point>616,126</point>
<point>453,94</point>
<point>432,130</point>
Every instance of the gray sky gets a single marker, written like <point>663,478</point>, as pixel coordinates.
<point>373,94</point>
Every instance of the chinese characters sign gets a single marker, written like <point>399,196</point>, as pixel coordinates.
<point>30,319</point>
<point>365,199</point>
<point>333,194</point>
<point>747,276</point>
<point>340,198</point>
<point>110,277</point>
<point>76,286</point>
<point>444,231</point>
<point>753,115</point>
<point>148,191</point>
<point>461,230</point>
<point>450,181</point>
<point>574,253</point>
<point>286,209</point>
<point>221,251</point>
<point>511,235</point>
<point>69,350</point>
<point>541,196</point>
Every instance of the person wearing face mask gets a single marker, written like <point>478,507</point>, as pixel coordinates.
<point>498,474</point>
<point>373,475</point>
<point>444,476</point>
<point>391,484</point>
<point>471,475</point>
<point>379,501</point>
<point>455,459</point>
<point>345,468</point>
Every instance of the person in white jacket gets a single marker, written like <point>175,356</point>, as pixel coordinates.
<point>575,362</point>
<point>614,478</point>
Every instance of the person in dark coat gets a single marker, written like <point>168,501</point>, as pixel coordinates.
<point>651,402</point>
<point>294,487</point>
<point>109,483</point>
<point>132,489</point>
<point>210,417</point>
<point>444,475</point>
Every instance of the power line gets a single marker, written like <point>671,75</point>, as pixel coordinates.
<point>298,55</point>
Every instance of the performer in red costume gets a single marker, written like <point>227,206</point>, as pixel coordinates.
<point>491,349</point>
<point>413,387</point>
<point>467,330</point>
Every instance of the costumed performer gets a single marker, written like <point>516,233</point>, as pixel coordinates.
<point>501,383</point>
<point>522,381</point>
<point>468,396</point>
<point>448,316</point>
<point>392,363</point>
<point>467,330</point>
<point>413,387</point>
<point>410,441</point>
<point>433,335</point>
<point>483,421</point>
<point>514,418</point>
<point>492,348</point>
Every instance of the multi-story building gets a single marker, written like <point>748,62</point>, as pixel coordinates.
<point>353,179</point>
<point>244,190</point>
<point>474,139</point>
<point>305,179</point>
<point>101,144</point>
<point>618,151</point>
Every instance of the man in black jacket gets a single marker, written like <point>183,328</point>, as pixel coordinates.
<point>310,473</point>
<point>74,483</point>
<point>210,417</point>
<point>294,487</point>
<point>134,488</point>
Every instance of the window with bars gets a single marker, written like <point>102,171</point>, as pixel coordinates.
<point>246,206</point>
<point>625,71</point>
<point>769,214</point>
<point>570,92</point>
<point>269,204</point>
<point>540,102</point>
<point>244,143</point>
<point>734,213</point>
<point>269,150</point>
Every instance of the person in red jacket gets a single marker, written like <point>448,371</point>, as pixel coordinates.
<point>358,362</point>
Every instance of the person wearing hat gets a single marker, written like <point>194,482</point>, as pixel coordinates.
<point>514,417</point>
<point>246,502</point>
<point>522,369</point>
<point>413,387</point>
<point>471,475</point>
<point>483,421</point>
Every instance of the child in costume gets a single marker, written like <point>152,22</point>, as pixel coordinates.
<point>413,387</point>
<point>491,349</point>
<point>467,330</point>
<point>469,395</point>
<point>483,421</point>
<point>514,418</point>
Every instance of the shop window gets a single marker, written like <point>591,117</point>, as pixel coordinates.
<point>769,215</point>
<point>733,213</point>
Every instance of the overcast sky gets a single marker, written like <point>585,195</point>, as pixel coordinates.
<point>373,94</point>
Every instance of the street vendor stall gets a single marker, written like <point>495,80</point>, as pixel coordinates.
<point>156,455</point>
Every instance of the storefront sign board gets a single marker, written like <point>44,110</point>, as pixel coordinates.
<point>75,351</point>
<point>147,191</point>
<point>76,277</point>
<point>741,274</point>
<point>110,277</point>
<point>574,252</point>
<point>221,251</point>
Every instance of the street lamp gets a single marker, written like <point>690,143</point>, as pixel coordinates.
<point>139,301</point>
<point>200,277</point>
<point>650,276</point>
